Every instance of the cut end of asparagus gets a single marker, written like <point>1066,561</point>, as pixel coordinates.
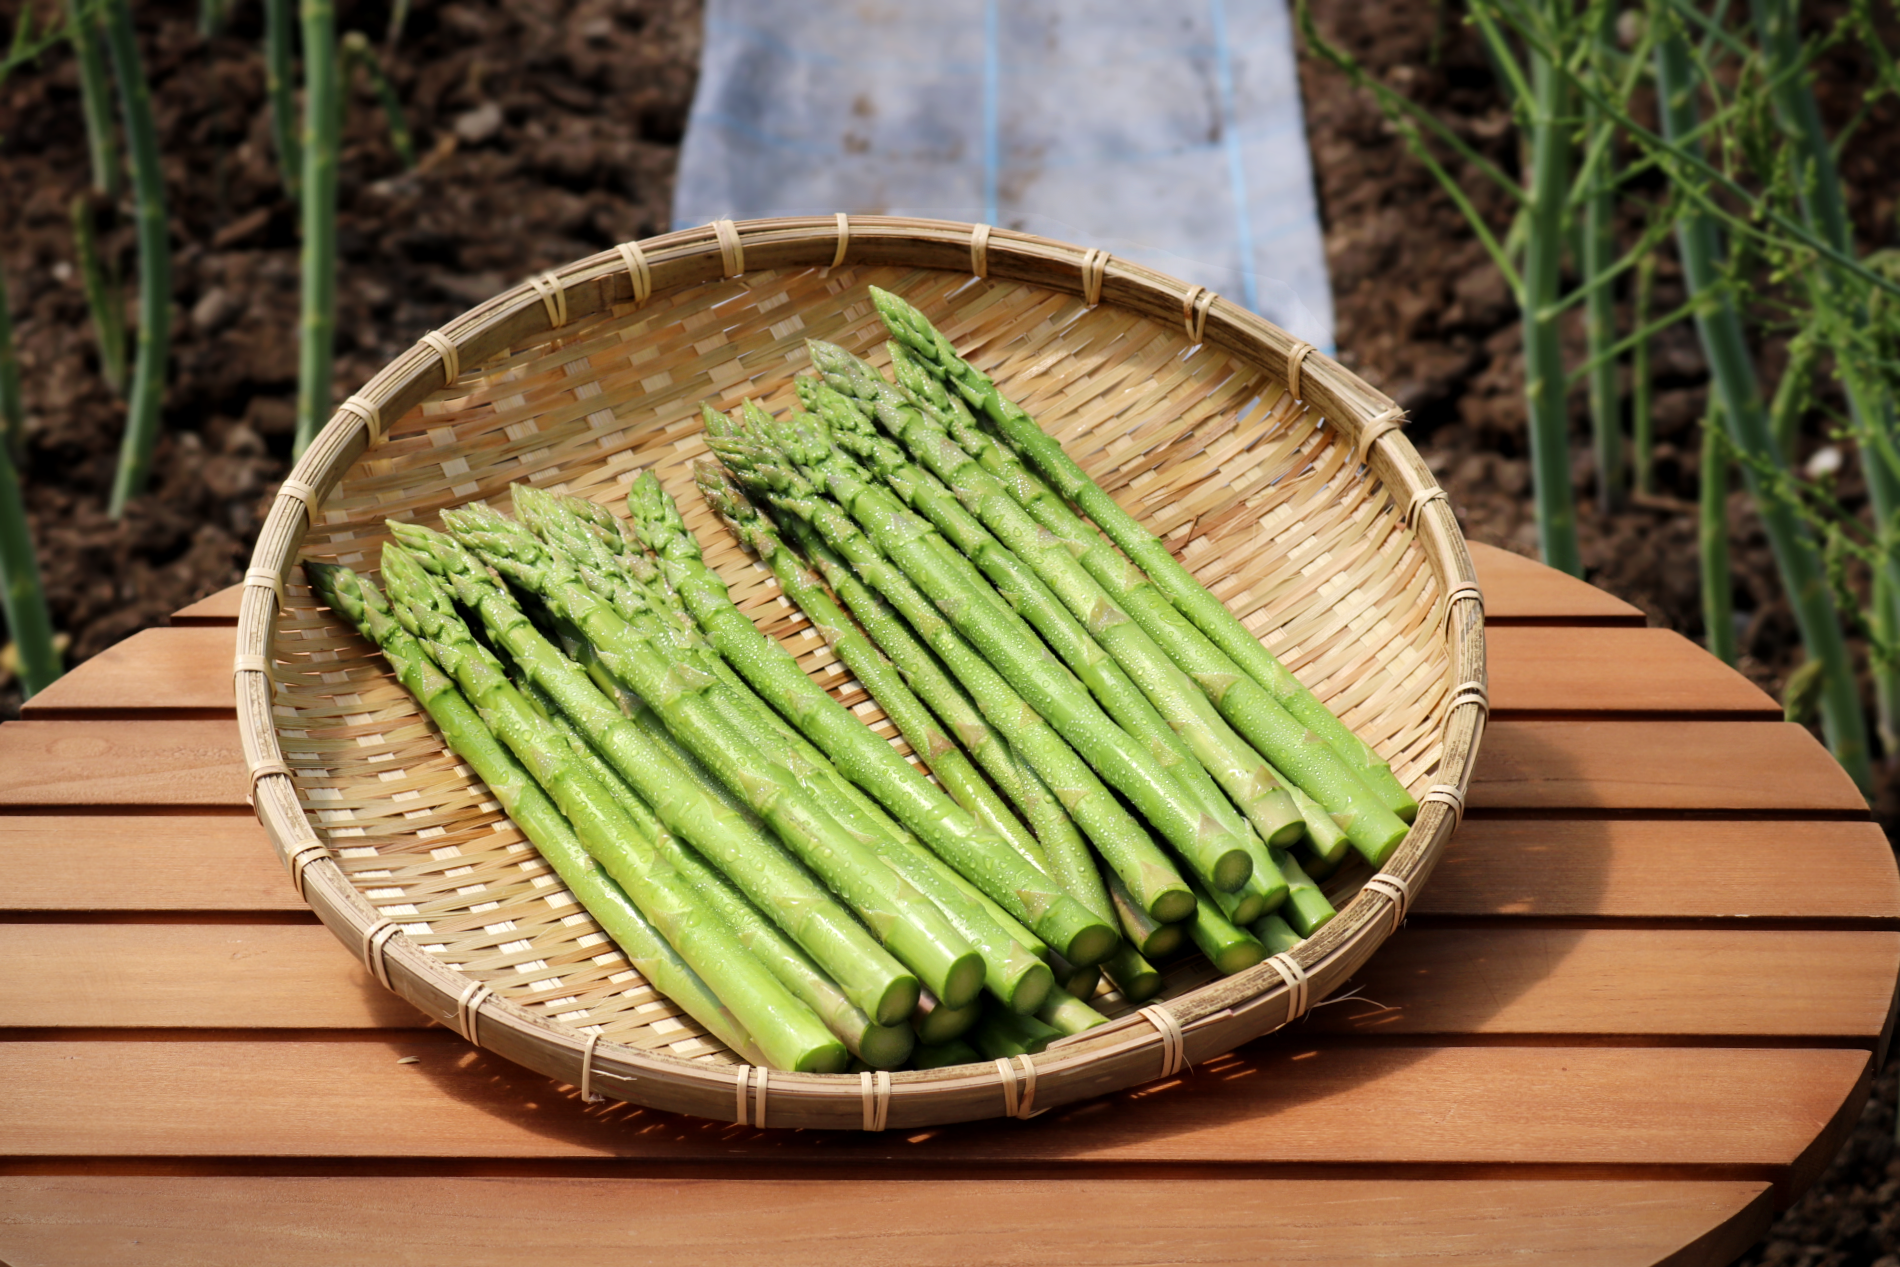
<point>829,1057</point>
<point>935,1024</point>
<point>1030,989</point>
<point>1171,906</point>
<point>1091,945</point>
<point>899,1000</point>
<point>1230,869</point>
<point>886,1046</point>
<point>963,979</point>
<point>1133,975</point>
<point>1275,934</point>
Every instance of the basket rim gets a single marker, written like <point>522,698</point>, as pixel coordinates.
<point>1157,1040</point>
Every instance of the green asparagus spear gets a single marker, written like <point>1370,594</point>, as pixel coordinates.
<point>1003,638</point>
<point>1189,713</point>
<point>776,882</point>
<point>1005,1035</point>
<point>786,1031</point>
<point>360,603</point>
<point>1122,841</point>
<point>1284,741</point>
<point>910,927</point>
<point>936,1024</point>
<point>1081,982</point>
<point>1141,931</point>
<point>879,1046</point>
<point>1068,1014</point>
<point>1306,907</point>
<point>955,835</point>
<point>934,351</point>
<point>1275,934</point>
<point>1227,947</point>
<point>1133,975</point>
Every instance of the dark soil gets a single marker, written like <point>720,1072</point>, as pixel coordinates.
<point>549,129</point>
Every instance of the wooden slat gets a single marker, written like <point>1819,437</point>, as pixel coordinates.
<point>1814,987</point>
<point>1517,588</point>
<point>190,976</point>
<point>1678,765</point>
<point>159,862</point>
<point>1821,987</point>
<point>153,670</point>
<point>1279,1101</point>
<point>293,1222</point>
<point>1673,869</point>
<point>193,763</point>
<point>1554,668</point>
<point>220,608</point>
<point>1533,669</point>
<point>1727,766</point>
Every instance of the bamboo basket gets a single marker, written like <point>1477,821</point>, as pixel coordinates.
<point>1279,477</point>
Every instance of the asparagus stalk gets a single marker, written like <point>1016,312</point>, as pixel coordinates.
<point>1141,931</point>
<point>95,96</point>
<point>880,1046</point>
<point>950,831</point>
<point>1275,934</point>
<point>155,270</point>
<point>908,925</point>
<point>997,474</point>
<point>1011,953</point>
<point>936,1024</point>
<point>1153,881</point>
<point>954,1052</point>
<point>359,602</point>
<point>323,113</point>
<point>1006,641</point>
<point>1005,1035</point>
<point>1227,946</point>
<point>1133,975</point>
<point>22,598</point>
<point>355,51</point>
<point>1718,594</point>
<point>870,977</point>
<point>103,299</point>
<point>1067,1014</point>
<point>879,675</point>
<point>1642,420</point>
<point>934,352</point>
<point>1306,906</point>
<point>1189,715</point>
<point>1064,852</point>
<point>1081,982</point>
<point>279,71</point>
<point>787,1033</point>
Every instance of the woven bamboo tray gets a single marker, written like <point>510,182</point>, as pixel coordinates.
<point>1304,509</point>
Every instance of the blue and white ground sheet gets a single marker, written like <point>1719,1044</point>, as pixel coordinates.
<point>1166,134</point>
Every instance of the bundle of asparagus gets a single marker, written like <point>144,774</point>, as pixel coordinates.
<point>1117,771</point>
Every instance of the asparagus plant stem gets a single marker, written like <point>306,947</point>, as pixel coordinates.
<point>1140,930</point>
<point>1718,595</point>
<point>1141,546</point>
<point>279,80</point>
<point>934,1024</point>
<point>949,830</point>
<point>1642,420</point>
<point>1120,839</point>
<point>95,96</point>
<point>356,51</point>
<point>323,112</point>
<point>1306,906</point>
<point>1726,347</point>
<point>1005,1035</point>
<point>359,602</point>
<point>12,401</point>
<point>1067,1014</point>
<point>1133,975</point>
<point>1544,381</point>
<point>155,274</point>
<point>103,299</point>
<point>954,1052</point>
<point>1229,948</point>
<point>1273,732</point>
<point>22,600</point>
<point>1598,257</point>
<point>757,864</point>
<point>788,1034</point>
<point>1275,934</point>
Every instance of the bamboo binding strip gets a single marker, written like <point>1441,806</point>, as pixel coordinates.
<point>1308,513</point>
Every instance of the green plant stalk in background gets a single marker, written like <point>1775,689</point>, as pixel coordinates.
<point>279,87</point>
<point>1818,189</point>
<point>22,601</point>
<point>1718,592</point>
<point>95,95</point>
<point>1725,345</point>
<point>1598,256</point>
<point>1544,379</point>
<point>323,110</point>
<point>12,402</point>
<point>147,394</point>
<point>104,300</point>
<point>1642,418</point>
<point>357,52</point>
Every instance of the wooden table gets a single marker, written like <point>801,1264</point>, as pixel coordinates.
<point>1634,1012</point>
